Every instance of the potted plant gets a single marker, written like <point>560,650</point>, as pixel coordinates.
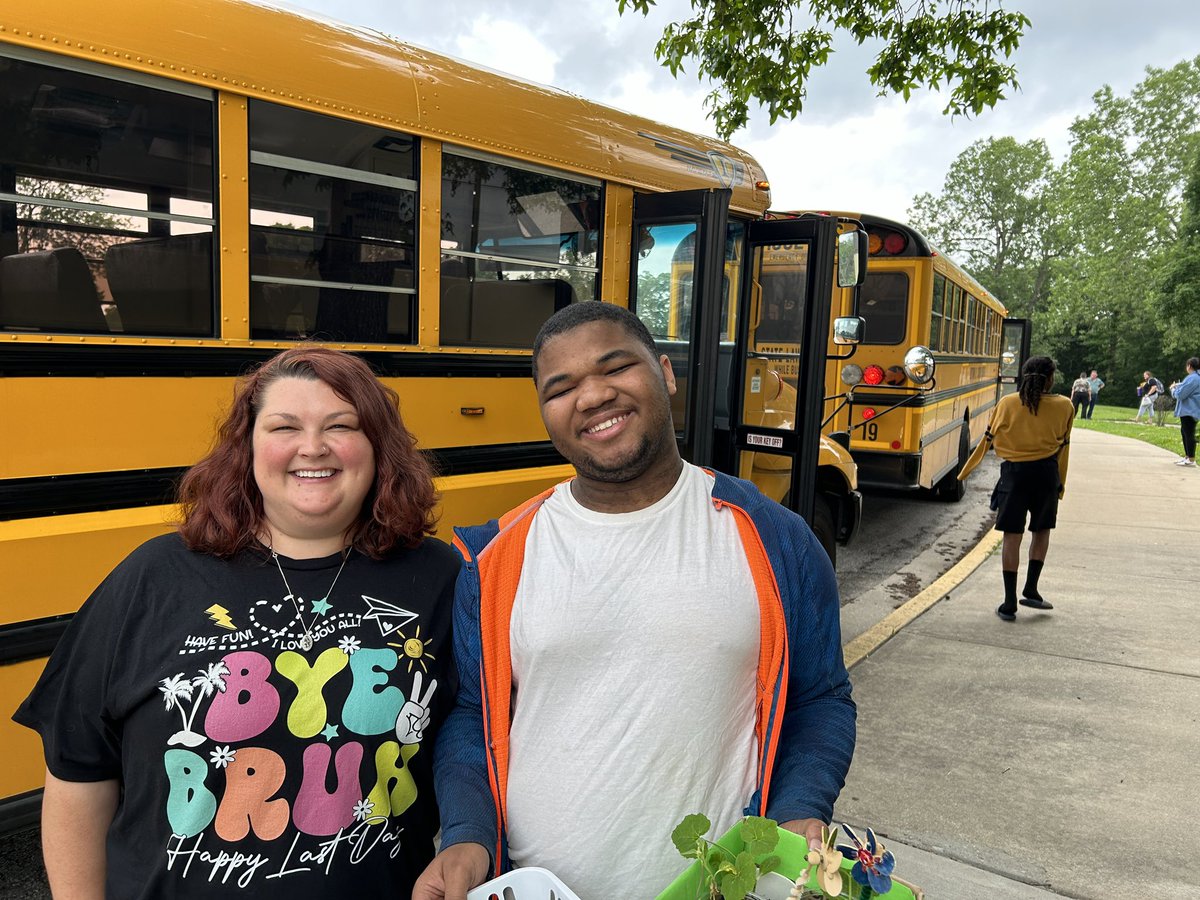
<point>757,860</point>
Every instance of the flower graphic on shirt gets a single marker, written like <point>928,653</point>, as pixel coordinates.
<point>363,810</point>
<point>222,756</point>
<point>349,645</point>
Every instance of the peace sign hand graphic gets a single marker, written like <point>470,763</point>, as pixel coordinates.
<point>414,715</point>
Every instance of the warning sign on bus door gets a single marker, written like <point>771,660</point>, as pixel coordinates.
<point>765,440</point>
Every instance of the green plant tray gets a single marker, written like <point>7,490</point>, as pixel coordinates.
<point>792,850</point>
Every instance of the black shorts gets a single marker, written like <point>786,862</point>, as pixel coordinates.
<point>1027,489</point>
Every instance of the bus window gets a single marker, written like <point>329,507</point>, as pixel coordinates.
<point>935,315</point>
<point>332,228</point>
<point>106,204</point>
<point>517,245</point>
<point>883,302</point>
<point>784,281</point>
<point>664,297</point>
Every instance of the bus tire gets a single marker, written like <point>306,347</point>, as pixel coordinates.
<point>950,489</point>
<point>824,528</point>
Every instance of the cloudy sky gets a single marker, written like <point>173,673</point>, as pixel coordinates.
<point>1072,49</point>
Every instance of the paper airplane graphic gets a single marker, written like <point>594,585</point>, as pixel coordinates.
<point>388,616</point>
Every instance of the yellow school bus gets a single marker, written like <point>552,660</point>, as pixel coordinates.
<point>922,312</point>
<point>189,186</point>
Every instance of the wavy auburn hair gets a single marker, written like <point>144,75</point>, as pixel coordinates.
<point>222,505</point>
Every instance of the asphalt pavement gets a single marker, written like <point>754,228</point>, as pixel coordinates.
<point>1057,755</point>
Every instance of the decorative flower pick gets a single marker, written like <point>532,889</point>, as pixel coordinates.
<point>873,863</point>
<point>826,859</point>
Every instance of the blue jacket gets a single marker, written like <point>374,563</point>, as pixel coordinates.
<point>806,721</point>
<point>1187,396</point>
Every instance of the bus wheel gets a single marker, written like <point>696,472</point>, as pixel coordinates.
<point>950,489</point>
<point>824,529</point>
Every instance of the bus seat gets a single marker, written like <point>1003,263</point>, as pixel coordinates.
<point>500,313</point>
<point>510,313</point>
<point>351,316</point>
<point>50,290</point>
<point>456,305</point>
<point>163,285</point>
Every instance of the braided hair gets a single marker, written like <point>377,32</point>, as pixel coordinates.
<point>1037,377</point>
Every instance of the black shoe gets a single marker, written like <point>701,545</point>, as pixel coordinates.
<point>1007,613</point>
<point>1036,603</point>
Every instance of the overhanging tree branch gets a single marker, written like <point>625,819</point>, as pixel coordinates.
<point>754,50</point>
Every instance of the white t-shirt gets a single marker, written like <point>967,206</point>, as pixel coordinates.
<point>635,644</point>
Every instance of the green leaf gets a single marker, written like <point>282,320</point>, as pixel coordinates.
<point>739,879</point>
<point>688,835</point>
<point>769,864</point>
<point>759,835</point>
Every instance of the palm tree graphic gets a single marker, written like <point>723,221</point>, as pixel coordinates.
<point>177,689</point>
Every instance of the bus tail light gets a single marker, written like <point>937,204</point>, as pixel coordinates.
<point>868,413</point>
<point>873,374</point>
<point>895,445</point>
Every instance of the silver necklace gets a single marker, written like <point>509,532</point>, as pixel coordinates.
<point>306,641</point>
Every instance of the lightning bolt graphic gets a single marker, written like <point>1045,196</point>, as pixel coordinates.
<point>220,615</point>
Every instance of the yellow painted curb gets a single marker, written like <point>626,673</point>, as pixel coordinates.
<point>879,634</point>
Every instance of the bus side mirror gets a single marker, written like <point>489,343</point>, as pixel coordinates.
<point>852,258</point>
<point>848,330</point>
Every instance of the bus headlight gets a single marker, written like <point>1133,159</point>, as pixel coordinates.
<point>918,364</point>
<point>851,374</point>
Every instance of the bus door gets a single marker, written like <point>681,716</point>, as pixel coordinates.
<point>788,278</point>
<point>742,310</point>
<point>1014,350</point>
<point>678,290</point>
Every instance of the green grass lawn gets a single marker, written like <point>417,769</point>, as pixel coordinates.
<point>1119,420</point>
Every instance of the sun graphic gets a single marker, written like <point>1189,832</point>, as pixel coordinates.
<point>414,649</point>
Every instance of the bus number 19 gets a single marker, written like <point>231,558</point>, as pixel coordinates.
<point>871,431</point>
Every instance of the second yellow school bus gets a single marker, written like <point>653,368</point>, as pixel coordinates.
<point>902,435</point>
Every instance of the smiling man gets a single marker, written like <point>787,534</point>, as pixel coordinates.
<point>644,641</point>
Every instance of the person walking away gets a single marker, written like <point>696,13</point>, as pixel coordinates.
<point>1095,385</point>
<point>1187,408</point>
<point>202,699</point>
<point>1031,433</point>
<point>1081,393</point>
<point>645,641</point>
<point>1149,390</point>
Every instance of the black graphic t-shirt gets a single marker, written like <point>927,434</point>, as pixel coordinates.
<point>268,742</point>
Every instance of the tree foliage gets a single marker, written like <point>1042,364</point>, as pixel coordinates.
<point>1179,294</point>
<point>995,217</point>
<point>1100,251</point>
<point>1120,192</point>
<point>764,50</point>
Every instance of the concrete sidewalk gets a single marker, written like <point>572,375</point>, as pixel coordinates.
<point>1058,755</point>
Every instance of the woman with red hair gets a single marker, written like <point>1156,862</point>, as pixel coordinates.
<point>247,705</point>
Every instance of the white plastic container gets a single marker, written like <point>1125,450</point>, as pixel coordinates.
<point>529,883</point>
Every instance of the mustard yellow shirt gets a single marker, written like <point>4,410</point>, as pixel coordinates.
<point>1019,435</point>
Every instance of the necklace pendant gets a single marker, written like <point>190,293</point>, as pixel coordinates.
<point>306,642</point>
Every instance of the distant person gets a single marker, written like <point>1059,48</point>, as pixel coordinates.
<point>1081,394</point>
<point>1187,408</point>
<point>1095,385</point>
<point>1149,391</point>
<point>1031,433</point>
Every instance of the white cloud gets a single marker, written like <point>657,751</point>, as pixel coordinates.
<point>507,46</point>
